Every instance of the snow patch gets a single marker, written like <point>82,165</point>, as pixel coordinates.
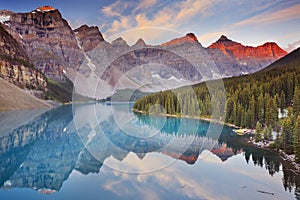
<point>156,76</point>
<point>7,183</point>
<point>90,64</point>
<point>4,18</point>
<point>282,115</point>
<point>77,40</point>
<point>175,79</point>
<point>170,79</point>
<point>244,63</point>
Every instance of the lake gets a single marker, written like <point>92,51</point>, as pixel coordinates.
<point>99,151</point>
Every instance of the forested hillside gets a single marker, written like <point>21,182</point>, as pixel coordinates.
<point>252,101</point>
<point>249,98</point>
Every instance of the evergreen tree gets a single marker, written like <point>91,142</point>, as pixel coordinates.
<point>260,107</point>
<point>296,144</point>
<point>286,135</point>
<point>250,99</point>
<point>257,136</point>
<point>234,113</point>
<point>282,101</point>
<point>251,113</point>
<point>267,109</point>
<point>296,102</point>
<point>274,113</point>
<point>267,133</point>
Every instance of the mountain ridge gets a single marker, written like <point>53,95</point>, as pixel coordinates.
<point>85,57</point>
<point>48,39</point>
<point>244,59</point>
<point>272,88</point>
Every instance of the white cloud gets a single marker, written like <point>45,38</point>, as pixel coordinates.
<point>172,15</point>
<point>194,16</point>
<point>115,9</point>
<point>144,4</point>
<point>118,25</point>
<point>191,8</point>
<point>286,14</point>
<point>185,183</point>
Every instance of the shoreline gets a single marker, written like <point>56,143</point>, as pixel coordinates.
<point>207,119</point>
<point>282,154</point>
<point>290,158</point>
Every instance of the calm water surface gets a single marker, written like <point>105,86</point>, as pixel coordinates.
<point>97,151</point>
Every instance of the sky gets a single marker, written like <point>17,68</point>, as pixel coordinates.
<point>251,22</point>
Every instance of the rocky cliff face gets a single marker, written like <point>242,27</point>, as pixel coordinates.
<point>22,76</point>
<point>233,58</point>
<point>10,47</point>
<point>89,37</point>
<point>117,65</point>
<point>15,66</point>
<point>47,38</point>
<point>89,61</point>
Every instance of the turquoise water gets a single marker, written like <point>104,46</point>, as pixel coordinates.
<point>98,151</point>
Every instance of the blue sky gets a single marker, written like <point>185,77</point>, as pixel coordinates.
<point>252,22</point>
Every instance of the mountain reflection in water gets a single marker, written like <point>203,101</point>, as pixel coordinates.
<point>41,149</point>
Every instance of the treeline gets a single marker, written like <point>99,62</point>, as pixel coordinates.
<point>248,99</point>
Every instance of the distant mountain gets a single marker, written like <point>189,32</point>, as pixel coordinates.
<point>249,98</point>
<point>117,66</point>
<point>126,95</point>
<point>99,68</point>
<point>291,60</point>
<point>233,58</point>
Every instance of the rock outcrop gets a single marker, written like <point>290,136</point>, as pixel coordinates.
<point>89,37</point>
<point>15,66</point>
<point>189,37</point>
<point>22,76</point>
<point>234,59</point>
<point>99,68</point>
<point>117,66</point>
<point>48,39</point>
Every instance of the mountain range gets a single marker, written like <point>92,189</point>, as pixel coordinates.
<point>99,68</point>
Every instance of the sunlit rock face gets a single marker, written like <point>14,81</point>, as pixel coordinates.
<point>15,66</point>
<point>22,76</point>
<point>233,58</point>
